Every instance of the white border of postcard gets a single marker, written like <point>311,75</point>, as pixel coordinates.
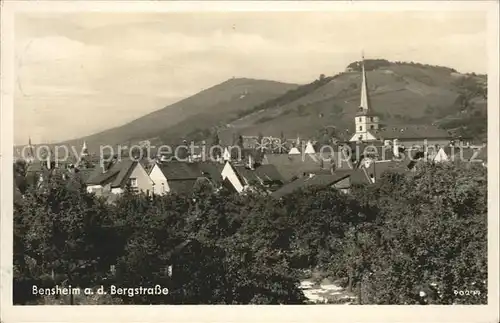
<point>187,313</point>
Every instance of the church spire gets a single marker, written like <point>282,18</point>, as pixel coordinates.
<point>364,104</point>
<point>85,151</point>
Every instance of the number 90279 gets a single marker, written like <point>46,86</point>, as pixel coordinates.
<point>467,292</point>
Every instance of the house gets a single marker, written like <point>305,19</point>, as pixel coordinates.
<point>339,181</point>
<point>294,151</point>
<point>116,176</point>
<point>181,177</point>
<point>456,153</point>
<point>358,151</point>
<point>242,177</point>
<point>374,169</point>
<point>174,176</point>
<point>309,148</point>
<point>415,135</point>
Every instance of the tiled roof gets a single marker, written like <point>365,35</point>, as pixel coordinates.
<point>412,132</point>
<point>126,168</point>
<point>212,170</point>
<point>261,174</point>
<point>182,186</point>
<point>117,174</point>
<point>98,177</point>
<point>305,182</point>
<point>378,168</point>
<point>357,176</point>
<point>180,170</point>
<point>290,166</point>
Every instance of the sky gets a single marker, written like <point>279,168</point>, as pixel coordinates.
<point>81,73</point>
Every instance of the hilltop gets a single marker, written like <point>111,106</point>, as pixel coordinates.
<point>401,93</point>
<point>195,114</point>
<point>409,93</point>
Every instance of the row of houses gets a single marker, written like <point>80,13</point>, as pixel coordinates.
<point>278,174</point>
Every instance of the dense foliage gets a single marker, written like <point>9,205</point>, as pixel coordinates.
<point>407,234</point>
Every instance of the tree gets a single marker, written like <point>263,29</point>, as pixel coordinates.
<point>215,141</point>
<point>60,237</point>
<point>429,236</point>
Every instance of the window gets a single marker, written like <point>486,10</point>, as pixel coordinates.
<point>372,127</point>
<point>360,128</point>
<point>360,119</point>
<point>133,182</point>
<point>371,119</point>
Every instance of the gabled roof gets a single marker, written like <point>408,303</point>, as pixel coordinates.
<point>182,186</point>
<point>175,170</point>
<point>212,170</point>
<point>117,174</point>
<point>126,168</point>
<point>357,176</point>
<point>262,174</point>
<point>290,166</point>
<point>309,181</point>
<point>412,132</point>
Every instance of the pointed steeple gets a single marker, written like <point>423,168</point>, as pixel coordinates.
<point>32,153</point>
<point>85,151</point>
<point>364,105</point>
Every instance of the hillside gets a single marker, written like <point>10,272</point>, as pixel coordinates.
<point>401,93</point>
<point>406,93</point>
<point>211,107</point>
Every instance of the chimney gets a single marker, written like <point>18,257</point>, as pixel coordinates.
<point>250,162</point>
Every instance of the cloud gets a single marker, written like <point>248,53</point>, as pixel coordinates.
<point>121,66</point>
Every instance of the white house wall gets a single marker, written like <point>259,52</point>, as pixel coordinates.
<point>161,186</point>
<point>144,182</point>
<point>229,173</point>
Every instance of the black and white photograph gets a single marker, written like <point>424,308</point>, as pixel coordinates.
<point>250,157</point>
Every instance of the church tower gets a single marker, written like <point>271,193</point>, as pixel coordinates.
<point>366,121</point>
<point>85,151</point>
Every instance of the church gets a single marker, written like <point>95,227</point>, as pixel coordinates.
<point>368,127</point>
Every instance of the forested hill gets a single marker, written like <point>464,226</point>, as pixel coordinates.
<point>409,93</point>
